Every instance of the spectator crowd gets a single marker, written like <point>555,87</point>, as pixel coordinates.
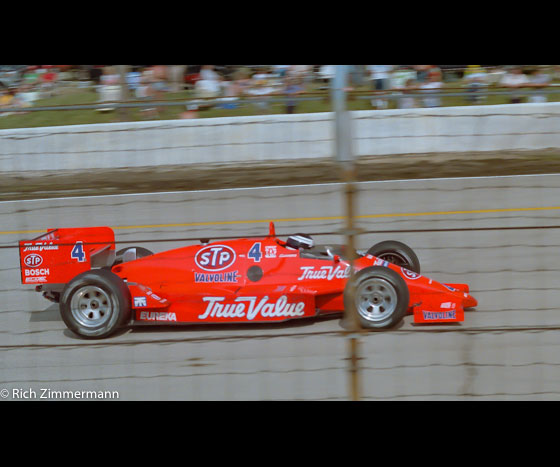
<point>426,83</point>
<point>391,86</point>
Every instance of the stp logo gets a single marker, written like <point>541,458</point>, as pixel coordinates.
<point>215,257</point>
<point>410,274</point>
<point>33,260</point>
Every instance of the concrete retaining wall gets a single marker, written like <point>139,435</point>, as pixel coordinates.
<point>280,137</point>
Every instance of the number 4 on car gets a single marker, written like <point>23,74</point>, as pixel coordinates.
<point>78,252</point>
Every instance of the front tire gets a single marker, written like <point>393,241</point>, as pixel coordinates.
<point>380,297</point>
<point>95,304</point>
<point>397,253</point>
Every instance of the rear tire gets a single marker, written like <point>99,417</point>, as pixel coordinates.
<point>95,304</point>
<point>396,253</point>
<point>381,297</point>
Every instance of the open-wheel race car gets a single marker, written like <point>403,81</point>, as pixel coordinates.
<point>248,280</point>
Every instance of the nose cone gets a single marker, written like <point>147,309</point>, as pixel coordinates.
<point>469,301</point>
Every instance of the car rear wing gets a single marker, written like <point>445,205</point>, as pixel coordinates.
<point>60,254</point>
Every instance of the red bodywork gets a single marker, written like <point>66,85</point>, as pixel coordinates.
<point>234,281</point>
<point>59,255</point>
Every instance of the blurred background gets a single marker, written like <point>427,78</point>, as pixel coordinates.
<point>90,93</point>
<point>461,162</point>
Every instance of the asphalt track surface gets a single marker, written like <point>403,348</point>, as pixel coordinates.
<point>498,234</point>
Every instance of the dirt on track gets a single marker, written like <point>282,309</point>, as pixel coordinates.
<point>204,177</point>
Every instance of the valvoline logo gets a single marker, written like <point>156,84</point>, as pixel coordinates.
<point>33,260</point>
<point>215,257</point>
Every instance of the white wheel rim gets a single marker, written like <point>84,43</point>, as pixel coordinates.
<point>376,299</point>
<point>91,306</point>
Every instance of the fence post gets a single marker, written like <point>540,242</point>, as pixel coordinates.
<point>343,155</point>
<point>123,70</point>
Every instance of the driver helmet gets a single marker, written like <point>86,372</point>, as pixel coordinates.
<point>298,241</point>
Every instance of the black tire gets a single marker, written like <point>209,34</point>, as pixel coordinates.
<point>381,297</point>
<point>396,253</point>
<point>140,253</point>
<point>95,304</point>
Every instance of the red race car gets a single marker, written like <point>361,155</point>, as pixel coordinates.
<point>257,280</point>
